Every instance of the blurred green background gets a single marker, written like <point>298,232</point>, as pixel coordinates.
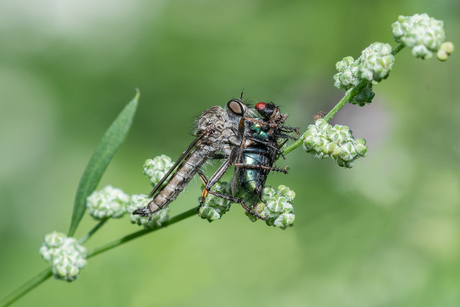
<point>385,233</point>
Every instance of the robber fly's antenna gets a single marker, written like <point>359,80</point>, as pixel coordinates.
<point>241,97</point>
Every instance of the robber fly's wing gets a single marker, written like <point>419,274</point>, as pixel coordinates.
<point>183,155</point>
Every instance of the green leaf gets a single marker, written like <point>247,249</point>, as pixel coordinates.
<point>107,148</point>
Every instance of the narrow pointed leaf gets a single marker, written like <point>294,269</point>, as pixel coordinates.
<point>107,148</point>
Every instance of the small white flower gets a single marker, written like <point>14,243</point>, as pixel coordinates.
<point>277,207</point>
<point>214,207</point>
<point>64,254</point>
<point>157,168</point>
<point>336,142</point>
<point>109,202</point>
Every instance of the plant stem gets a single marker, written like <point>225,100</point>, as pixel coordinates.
<point>352,92</point>
<point>142,232</point>
<point>397,49</point>
<point>28,286</point>
<point>88,235</point>
<point>348,95</point>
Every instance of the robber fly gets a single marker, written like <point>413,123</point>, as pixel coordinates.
<point>216,132</point>
<point>261,137</point>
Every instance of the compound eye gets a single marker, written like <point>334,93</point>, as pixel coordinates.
<point>260,106</point>
<point>265,109</point>
<point>237,107</point>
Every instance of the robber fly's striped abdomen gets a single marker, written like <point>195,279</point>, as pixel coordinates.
<point>179,180</point>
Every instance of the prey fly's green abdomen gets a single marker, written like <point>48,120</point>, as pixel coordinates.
<point>253,180</point>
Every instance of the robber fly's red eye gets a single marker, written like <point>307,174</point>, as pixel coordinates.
<point>260,106</point>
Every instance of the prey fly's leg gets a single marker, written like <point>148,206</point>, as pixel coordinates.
<point>286,136</point>
<point>212,181</point>
<point>278,150</point>
<point>285,170</point>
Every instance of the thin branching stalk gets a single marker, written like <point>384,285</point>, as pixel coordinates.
<point>88,235</point>
<point>28,286</point>
<point>142,232</point>
<point>350,94</point>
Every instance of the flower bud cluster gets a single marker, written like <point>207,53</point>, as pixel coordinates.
<point>157,167</point>
<point>142,200</point>
<point>348,73</point>
<point>423,34</point>
<point>376,62</point>
<point>109,202</point>
<point>374,65</point>
<point>338,143</point>
<point>64,254</point>
<point>214,207</point>
<point>276,205</point>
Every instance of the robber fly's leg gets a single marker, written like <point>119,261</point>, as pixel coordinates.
<point>212,181</point>
<point>205,182</point>
<point>238,201</point>
<point>218,156</point>
<point>275,169</point>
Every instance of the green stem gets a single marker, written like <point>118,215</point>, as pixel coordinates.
<point>142,232</point>
<point>352,92</point>
<point>397,49</point>
<point>348,95</point>
<point>88,235</point>
<point>28,286</point>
